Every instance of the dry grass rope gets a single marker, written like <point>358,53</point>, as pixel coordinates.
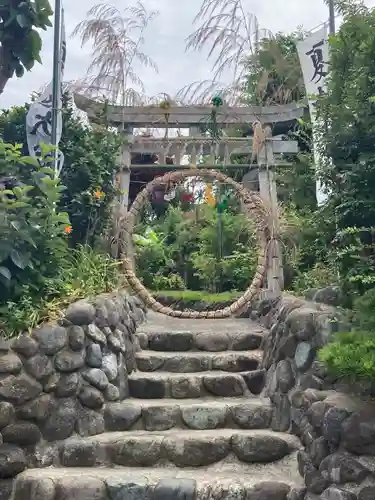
<point>252,206</point>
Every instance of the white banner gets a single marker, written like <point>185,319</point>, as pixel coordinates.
<point>313,54</point>
<point>39,116</point>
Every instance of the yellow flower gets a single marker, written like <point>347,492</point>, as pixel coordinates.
<point>98,195</point>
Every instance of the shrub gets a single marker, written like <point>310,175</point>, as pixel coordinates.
<point>350,355</point>
<point>90,165</point>
<point>83,274</point>
<point>89,172</point>
<point>187,248</point>
<point>319,276</point>
<point>39,275</point>
<point>171,282</point>
<point>33,232</point>
<point>364,311</point>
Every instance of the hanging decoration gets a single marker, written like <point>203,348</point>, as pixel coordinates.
<point>170,196</point>
<point>259,139</point>
<point>222,205</point>
<point>214,129</point>
<point>209,197</point>
<point>166,105</point>
<point>187,197</point>
<point>157,194</point>
<point>210,124</point>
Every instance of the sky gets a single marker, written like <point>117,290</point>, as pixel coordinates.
<point>164,42</point>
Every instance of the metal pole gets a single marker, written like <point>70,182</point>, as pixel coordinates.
<point>331,17</point>
<point>56,71</point>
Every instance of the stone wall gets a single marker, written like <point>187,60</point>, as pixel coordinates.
<point>336,429</point>
<point>56,381</point>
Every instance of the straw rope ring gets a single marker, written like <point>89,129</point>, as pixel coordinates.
<point>252,207</point>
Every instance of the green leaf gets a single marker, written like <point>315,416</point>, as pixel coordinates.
<point>47,171</point>
<point>4,271</point>
<point>35,42</point>
<point>18,204</point>
<point>20,71</point>
<point>22,20</point>
<point>29,160</point>
<point>19,260</point>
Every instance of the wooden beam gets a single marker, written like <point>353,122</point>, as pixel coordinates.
<point>188,116</point>
<point>202,166</point>
<point>188,145</point>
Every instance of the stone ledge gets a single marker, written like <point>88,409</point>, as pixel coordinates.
<point>56,381</point>
<point>336,429</point>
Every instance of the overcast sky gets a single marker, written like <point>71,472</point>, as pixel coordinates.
<point>165,42</point>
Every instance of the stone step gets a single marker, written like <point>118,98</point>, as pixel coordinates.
<point>188,362</point>
<point>214,340</point>
<point>182,448</point>
<point>198,414</point>
<point>233,481</point>
<point>157,385</point>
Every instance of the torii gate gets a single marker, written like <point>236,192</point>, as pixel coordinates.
<point>275,122</point>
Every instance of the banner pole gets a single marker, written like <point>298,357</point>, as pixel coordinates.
<point>56,72</point>
<point>331,17</point>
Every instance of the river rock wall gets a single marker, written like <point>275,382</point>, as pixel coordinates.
<point>336,428</point>
<point>56,381</point>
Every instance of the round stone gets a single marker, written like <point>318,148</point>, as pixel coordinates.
<point>96,377</point>
<point>304,356</point>
<point>111,393</point>
<point>109,366</point>
<point>12,460</point>
<point>69,361</point>
<point>95,334</point>
<point>285,376</point>
<point>66,385</point>
<point>94,356</point>
<point>10,363</point>
<point>7,413</point>
<point>91,397</point>
<point>39,366</point>
<point>198,417</point>
<point>51,339</point>
<point>25,345</point>
<point>80,313</point>
<point>21,433</point>
<point>76,338</point>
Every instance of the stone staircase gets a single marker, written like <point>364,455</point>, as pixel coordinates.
<point>193,428</point>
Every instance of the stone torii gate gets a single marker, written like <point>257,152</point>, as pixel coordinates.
<point>275,122</point>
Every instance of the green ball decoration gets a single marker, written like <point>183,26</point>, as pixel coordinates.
<point>217,101</point>
<point>222,206</point>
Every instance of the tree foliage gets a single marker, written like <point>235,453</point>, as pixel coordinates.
<point>90,166</point>
<point>32,238</point>
<point>273,72</point>
<point>349,109</point>
<point>188,251</point>
<point>20,42</point>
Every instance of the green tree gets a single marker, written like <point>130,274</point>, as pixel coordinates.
<point>32,231</point>
<point>348,142</point>
<point>90,166</point>
<point>189,245</point>
<point>273,72</point>
<point>20,42</point>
